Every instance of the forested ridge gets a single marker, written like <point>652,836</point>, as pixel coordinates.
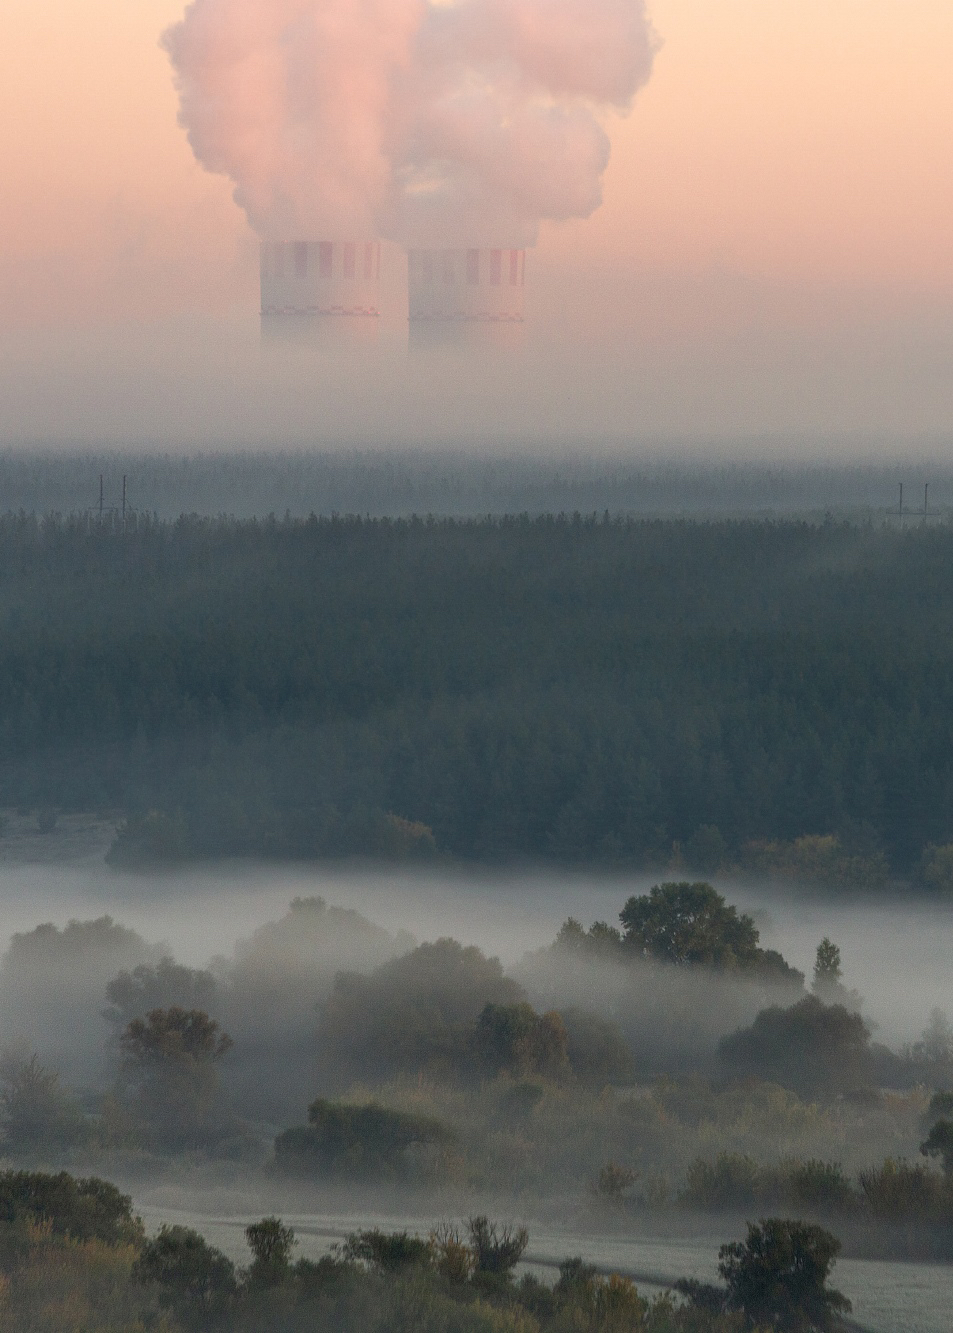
<point>577,688</point>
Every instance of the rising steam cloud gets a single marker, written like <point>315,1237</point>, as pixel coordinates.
<point>428,123</point>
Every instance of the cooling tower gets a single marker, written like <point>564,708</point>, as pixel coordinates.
<point>479,286</point>
<point>320,278</point>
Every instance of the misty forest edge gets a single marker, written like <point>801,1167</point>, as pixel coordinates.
<point>588,691</point>
<point>756,697</point>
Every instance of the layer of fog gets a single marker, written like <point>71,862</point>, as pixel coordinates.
<point>895,952</point>
<point>607,361</point>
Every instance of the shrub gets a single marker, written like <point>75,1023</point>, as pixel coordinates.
<point>497,1249</point>
<point>816,1185</point>
<point>389,1252</point>
<point>598,1052</point>
<point>817,859</point>
<point>81,1209</point>
<point>732,1181</point>
<point>406,839</point>
<point>514,1039</point>
<point>936,867</point>
<point>899,1192</point>
<point>195,1281</point>
<point>413,1013</point>
<point>368,1142</point>
<point>614,1180</point>
<point>706,850</point>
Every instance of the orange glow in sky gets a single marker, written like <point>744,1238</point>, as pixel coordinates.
<point>805,142</point>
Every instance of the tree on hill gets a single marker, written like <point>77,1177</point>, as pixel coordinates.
<point>828,983</point>
<point>691,923</point>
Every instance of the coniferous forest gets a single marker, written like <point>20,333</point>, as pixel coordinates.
<point>573,688</point>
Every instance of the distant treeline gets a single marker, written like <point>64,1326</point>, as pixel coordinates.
<point>449,483</point>
<point>583,689</point>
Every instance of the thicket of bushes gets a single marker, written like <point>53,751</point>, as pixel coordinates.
<point>58,1271</point>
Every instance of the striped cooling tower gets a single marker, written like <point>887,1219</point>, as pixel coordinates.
<point>484,285</point>
<point>320,277</point>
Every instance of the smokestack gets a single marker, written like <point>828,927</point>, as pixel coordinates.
<point>425,124</point>
<point>465,298</point>
<point>321,278</point>
<point>473,285</point>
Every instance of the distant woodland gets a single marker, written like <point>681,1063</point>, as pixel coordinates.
<point>574,689</point>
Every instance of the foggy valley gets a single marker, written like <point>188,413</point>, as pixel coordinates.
<point>476,667</point>
<point>422,899</point>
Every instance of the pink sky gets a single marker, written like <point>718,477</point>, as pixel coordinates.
<point>808,141</point>
<point>804,147</point>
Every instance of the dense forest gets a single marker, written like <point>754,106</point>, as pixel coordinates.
<point>572,688</point>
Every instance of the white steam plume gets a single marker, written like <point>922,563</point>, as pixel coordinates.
<point>429,123</point>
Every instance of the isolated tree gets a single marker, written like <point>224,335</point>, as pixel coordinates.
<point>777,1277</point>
<point>195,1281</point>
<point>35,1112</point>
<point>939,1143</point>
<point>271,1244</point>
<point>689,923</point>
<point>827,984</point>
<point>170,1075</point>
<point>934,1051</point>
<point>827,968</point>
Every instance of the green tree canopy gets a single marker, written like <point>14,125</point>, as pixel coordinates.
<point>777,1277</point>
<point>686,922</point>
<point>169,1075</point>
<point>812,1048</point>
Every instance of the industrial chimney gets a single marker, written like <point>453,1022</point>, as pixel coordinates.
<point>321,278</point>
<point>473,286</point>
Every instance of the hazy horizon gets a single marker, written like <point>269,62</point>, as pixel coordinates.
<point>769,273</point>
